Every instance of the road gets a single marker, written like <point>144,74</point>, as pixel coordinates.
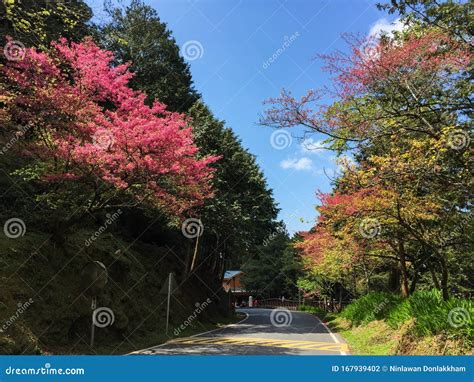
<point>262,332</point>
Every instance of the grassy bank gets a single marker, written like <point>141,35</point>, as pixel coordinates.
<point>423,324</point>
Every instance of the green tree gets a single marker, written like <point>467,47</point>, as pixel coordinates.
<point>137,35</point>
<point>454,17</point>
<point>274,270</point>
<point>242,212</point>
<point>404,109</point>
<point>38,22</point>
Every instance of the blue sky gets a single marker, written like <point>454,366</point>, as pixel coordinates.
<point>228,45</point>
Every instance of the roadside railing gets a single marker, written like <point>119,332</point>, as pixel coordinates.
<point>326,305</point>
<point>272,303</point>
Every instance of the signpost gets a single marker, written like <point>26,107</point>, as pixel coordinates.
<point>94,277</point>
<point>93,307</point>
<point>169,287</point>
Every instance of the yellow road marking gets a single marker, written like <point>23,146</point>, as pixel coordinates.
<point>292,344</point>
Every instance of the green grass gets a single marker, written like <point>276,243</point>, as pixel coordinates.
<point>371,307</point>
<point>312,309</point>
<point>383,323</point>
<point>433,315</point>
<point>376,338</point>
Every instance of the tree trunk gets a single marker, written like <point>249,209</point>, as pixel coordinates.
<point>435,279</point>
<point>193,263</point>
<point>414,281</point>
<point>339,308</point>
<point>403,267</point>
<point>444,278</point>
<point>354,284</point>
<point>366,276</point>
<point>188,259</point>
<point>394,279</point>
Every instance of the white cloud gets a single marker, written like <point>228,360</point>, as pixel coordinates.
<point>312,146</point>
<point>301,164</point>
<point>383,25</point>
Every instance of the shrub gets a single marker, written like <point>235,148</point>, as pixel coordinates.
<point>431,314</point>
<point>373,306</point>
<point>312,309</point>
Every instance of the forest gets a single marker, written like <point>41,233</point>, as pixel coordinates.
<point>397,227</point>
<point>109,155</point>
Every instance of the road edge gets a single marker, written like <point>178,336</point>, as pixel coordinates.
<point>136,352</point>
<point>333,335</point>
<point>223,327</point>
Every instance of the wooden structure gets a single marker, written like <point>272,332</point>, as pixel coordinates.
<point>232,283</point>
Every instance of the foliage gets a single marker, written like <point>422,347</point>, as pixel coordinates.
<point>273,270</point>
<point>100,129</point>
<point>136,35</point>
<point>242,212</point>
<point>431,314</point>
<point>313,310</point>
<point>450,16</point>
<point>401,107</point>
<point>35,23</point>
<point>372,306</point>
<point>86,125</point>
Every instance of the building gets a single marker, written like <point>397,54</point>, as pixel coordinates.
<point>232,283</point>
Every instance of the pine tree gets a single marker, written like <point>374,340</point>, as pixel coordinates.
<point>137,35</point>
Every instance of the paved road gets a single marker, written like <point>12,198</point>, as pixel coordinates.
<point>262,332</point>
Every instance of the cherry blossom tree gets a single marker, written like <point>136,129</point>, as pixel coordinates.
<point>401,106</point>
<point>93,139</point>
